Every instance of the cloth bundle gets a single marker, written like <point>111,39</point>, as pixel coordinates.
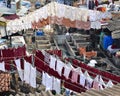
<point>4,81</point>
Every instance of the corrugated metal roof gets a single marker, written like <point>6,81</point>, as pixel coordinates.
<point>113,91</point>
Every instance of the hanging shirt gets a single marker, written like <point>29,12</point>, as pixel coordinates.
<point>20,71</point>
<point>33,77</point>
<point>102,83</point>
<point>96,82</point>
<point>47,57</point>
<point>43,78</point>
<point>49,82</point>
<point>82,79</point>
<point>59,67</point>
<point>27,67</point>
<point>89,80</point>
<point>75,73</point>
<point>67,71</point>
<point>2,66</point>
<point>57,85</point>
<point>109,84</point>
<point>52,62</point>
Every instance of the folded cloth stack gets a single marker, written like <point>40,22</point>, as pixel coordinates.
<point>4,81</point>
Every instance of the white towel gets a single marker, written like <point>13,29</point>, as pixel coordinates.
<point>33,76</point>
<point>52,62</point>
<point>20,71</point>
<point>67,71</point>
<point>82,79</point>
<point>109,84</point>
<point>27,68</point>
<point>59,67</point>
<point>43,78</point>
<point>56,85</point>
<point>49,82</point>
<point>2,66</point>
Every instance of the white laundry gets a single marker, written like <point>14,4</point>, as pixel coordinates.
<point>27,67</point>
<point>52,62</point>
<point>84,15</point>
<point>57,85</point>
<point>96,82</point>
<point>97,78</point>
<point>96,25</point>
<point>33,76</point>
<point>89,80</point>
<point>20,71</point>
<point>109,84</point>
<point>59,67</point>
<point>43,78</point>
<point>78,15</point>
<point>49,82</point>
<point>60,11</point>
<point>69,65</point>
<point>102,82</point>
<point>67,12</point>
<point>47,57</point>
<point>82,79</point>
<point>86,74</point>
<point>2,66</point>
<point>67,71</point>
<point>2,31</point>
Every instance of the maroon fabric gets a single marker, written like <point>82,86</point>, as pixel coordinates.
<point>39,64</point>
<point>7,65</point>
<point>55,52</point>
<point>40,55</point>
<point>22,63</point>
<point>22,51</point>
<point>28,59</point>
<point>11,16</point>
<point>16,52</point>
<point>10,54</point>
<point>1,57</point>
<point>5,54</point>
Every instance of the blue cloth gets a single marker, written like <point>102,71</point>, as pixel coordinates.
<point>107,40</point>
<point>67,92</point>
<point>39,33</point>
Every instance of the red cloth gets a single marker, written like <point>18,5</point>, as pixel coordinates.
<point>40,55</point>
<point>1,57</point>
<point>96,3</point>
<point>11,16</point>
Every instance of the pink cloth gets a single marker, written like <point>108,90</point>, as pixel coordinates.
<point>75,73</point>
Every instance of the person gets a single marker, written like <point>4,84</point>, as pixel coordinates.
<point>9,3</point>
<point>91,4</point>
<point>37,4</point>
<point>67,36</point>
